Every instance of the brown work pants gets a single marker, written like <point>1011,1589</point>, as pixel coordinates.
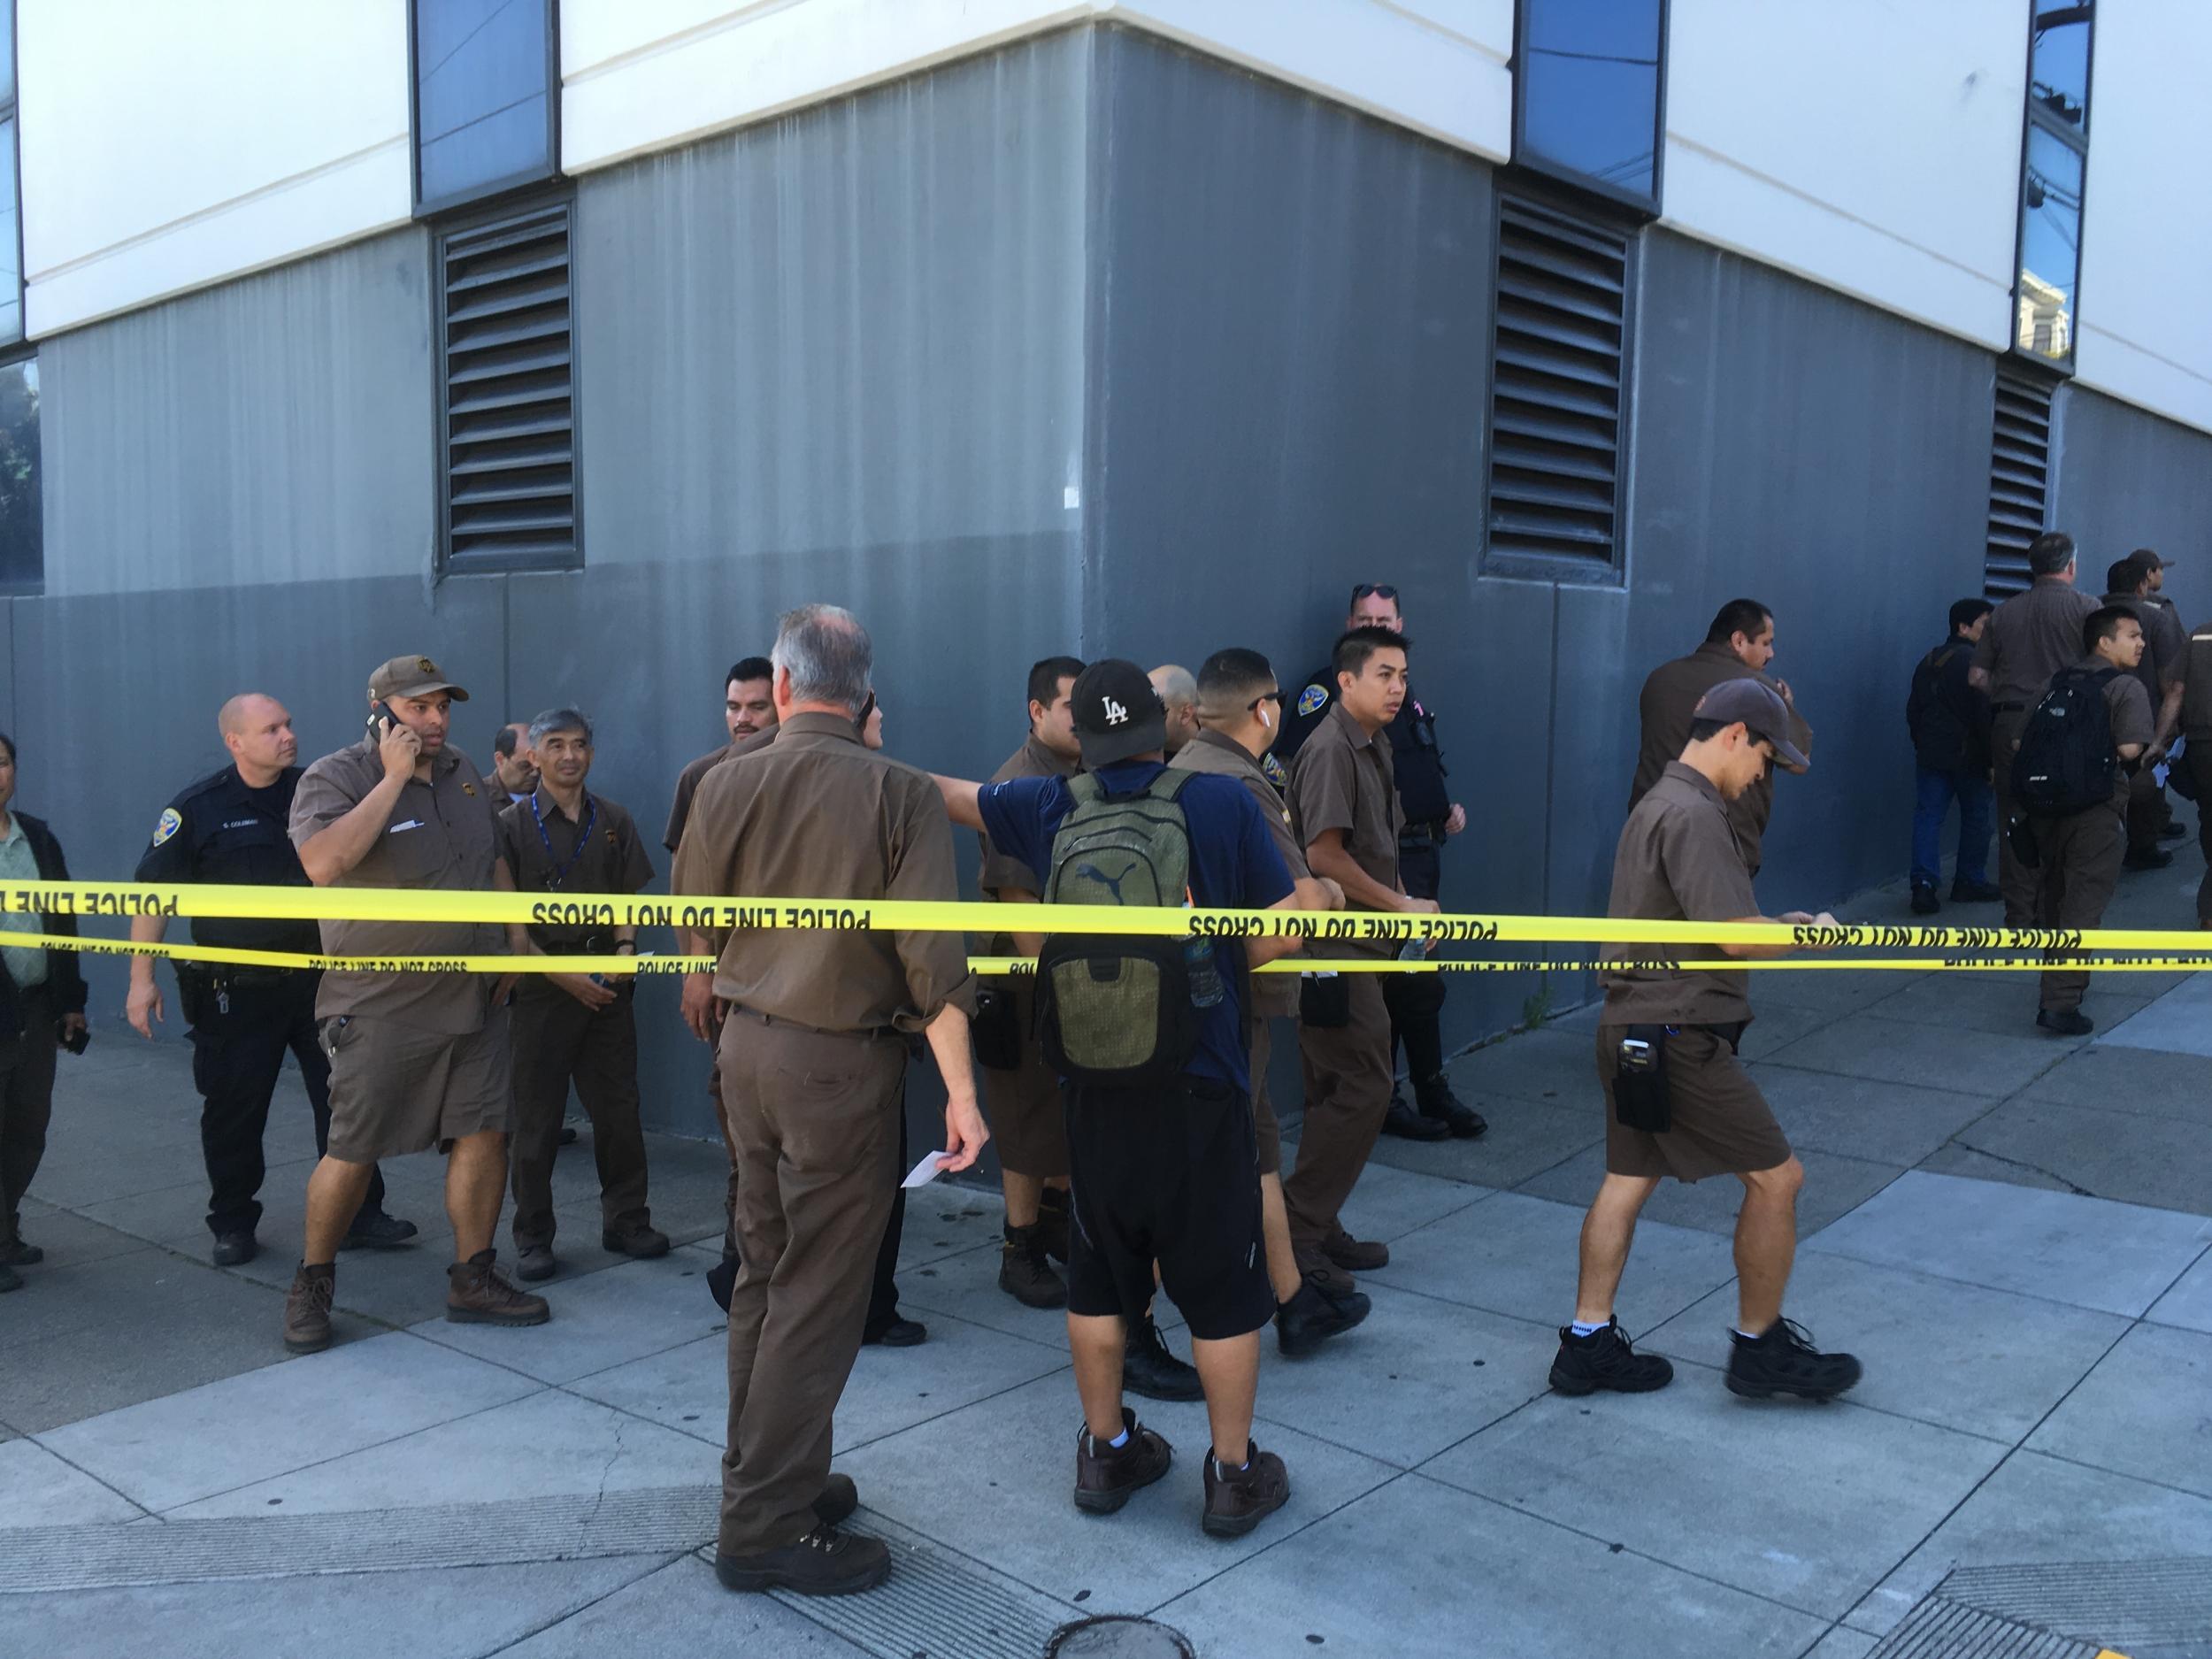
<point>2147,812</point>
<point>815,1118</point>
<point>2015,880</point>
<point>557,1041</point>
<point>1347,1074</point>
<point>2080,867</point>
<point>1029,1126</point>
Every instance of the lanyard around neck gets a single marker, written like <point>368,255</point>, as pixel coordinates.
<point>560,873</point>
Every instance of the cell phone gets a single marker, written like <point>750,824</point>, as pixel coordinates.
<point>382,720</point>
<point>76,1038</point>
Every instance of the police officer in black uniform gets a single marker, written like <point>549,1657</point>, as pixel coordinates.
<point>1416,1001</point>
<point>230,828</point>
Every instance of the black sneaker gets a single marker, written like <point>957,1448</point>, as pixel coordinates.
<point>1408,1123</point>
<point>2151,858</point>
<point>1605,1359</point>
<point>1784,1362</point>
<point>1313,1316</point>
<point>1106,1475</point>
<point>1438,1104</point>
<point>2066,1022</point>
<point>236,1250</point>
<point>373,1229</point>
<point>826,1562</point>
<point>1924,901</point>
<point>1025,1274</point>
<point>892,1332</point>
<point>1148,1368</point>
<point>15,1252</point>
<point>1975,893</point>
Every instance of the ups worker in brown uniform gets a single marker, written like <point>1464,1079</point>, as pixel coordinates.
<point>2163,626</point>
<point>1344,803</point>
<point>2030,637</point>
<point>2128,585</point>
<point>2079,857</point>
<point>1240,707</point>
<point>1023,1101</point>
<point>2196,753</point>
<point>416,1060</point>
<point>562,839</point>
<point>1738,646</point>
<point>813,1061</point>
<point>1686,1108</point>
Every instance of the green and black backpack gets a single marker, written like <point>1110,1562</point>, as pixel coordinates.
<point>1115,1009</point>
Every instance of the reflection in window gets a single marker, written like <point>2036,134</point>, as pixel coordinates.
<point>2052,167</point>
<point>1586,82</point>
<point>2060,75</point>
<point>483,97</point>
<point>22,521</point>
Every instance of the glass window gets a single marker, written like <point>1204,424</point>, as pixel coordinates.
<point>483,95</point>
<point>2060,71</point>
<point>10,240</point>
<point>1587,87</point>
<point>22,519</point>
<point>2050,245</point>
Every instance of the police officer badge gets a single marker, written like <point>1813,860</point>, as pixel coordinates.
<point>1310,699</point>
<point>169,823</point>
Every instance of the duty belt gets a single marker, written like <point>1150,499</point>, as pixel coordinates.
<point>2006,708</point>
<point>1430,834</point>
<point>221,974</point>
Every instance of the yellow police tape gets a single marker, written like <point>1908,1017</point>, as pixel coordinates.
<point>128,899</point>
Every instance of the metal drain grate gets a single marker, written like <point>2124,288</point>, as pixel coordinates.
<point>2123,1604</point>
<point>1939,1629</point>
<point>933,1606</point>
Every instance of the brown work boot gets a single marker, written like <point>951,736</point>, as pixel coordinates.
<point>638,1239</point>
<point>1314,1265</point>
<point>1355,1256</point>
<point>1105,1475</point>
<point>826,1562</point>
<point>1024,1273</point>
<point>1238,1500</point>
<point>307,1308</point>
<point>475,1295</point>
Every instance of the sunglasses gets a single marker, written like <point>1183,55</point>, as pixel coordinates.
<point>1379,590</point>
<point>1275,697</point>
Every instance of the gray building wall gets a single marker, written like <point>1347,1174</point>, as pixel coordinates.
<point>2129,479</point>
<point>1090,344</point>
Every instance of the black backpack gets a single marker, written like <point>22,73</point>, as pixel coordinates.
<point>1115,1009</point>
<point>2066,763</point>
<point>1940,740</point>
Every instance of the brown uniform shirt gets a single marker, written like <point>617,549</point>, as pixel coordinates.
<point>1669,705</point>
<point>2165,645</point>
<point>559,860</point>
<point>1273,995</point>
<point>2031,637</point>
<point>440,837</point>
<point>1679,860</point>
<point>688,779</point>
<point>2132,720</point>
<point>1342,780</point>
<point>2196,696</point>
<point>814,815</point>
<point>1032,759</point>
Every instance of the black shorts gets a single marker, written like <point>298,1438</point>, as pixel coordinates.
<point>1168,1174</point>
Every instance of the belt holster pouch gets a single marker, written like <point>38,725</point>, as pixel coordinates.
<point>2020,835</point>
<point>996,1029</point>
<point>1639,1080</point>
<point>1324,1001</point>
<point>195,995</point>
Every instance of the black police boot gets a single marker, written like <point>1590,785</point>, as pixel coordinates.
<point>1313,1316</point>
<point>1148,1368</point>
<point>2065,1022</point>
<point>1438,1104</point>
<point>1408,1123</point>
<point>1924,901</point>
<point>1784,1362</point>
<point>1052,1216</point>
<point>2151,858</point>
<point>373,1229</point>
<point>1605,1359</point>
<point>236,1248</point>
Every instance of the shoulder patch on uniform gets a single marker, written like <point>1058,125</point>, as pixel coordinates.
<point>1273,768</point>
<point>1310,699</point>
<point>167,825</point>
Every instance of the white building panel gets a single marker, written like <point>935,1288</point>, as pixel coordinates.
<point>1874,150</point>
<point>169,146</point>
<point>640,76</point>
<point>2144,332</point>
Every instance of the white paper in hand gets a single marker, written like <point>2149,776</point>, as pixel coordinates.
<point>923,1173</point>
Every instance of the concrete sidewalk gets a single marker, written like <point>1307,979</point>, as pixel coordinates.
<point>2010,1229</point>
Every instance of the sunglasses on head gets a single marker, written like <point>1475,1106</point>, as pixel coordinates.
<point>1379,590</point>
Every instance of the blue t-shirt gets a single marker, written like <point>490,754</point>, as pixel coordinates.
<point>1234,866</point>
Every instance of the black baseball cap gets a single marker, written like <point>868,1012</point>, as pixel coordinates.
<point>1761,710</point>
<point>1118,714</point>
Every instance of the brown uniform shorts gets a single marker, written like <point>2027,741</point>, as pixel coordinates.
<point>396,1088</point>
<point>1721,1124</point>
<point>1029,1125</point>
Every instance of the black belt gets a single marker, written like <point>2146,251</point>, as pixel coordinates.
<point>240,978</point>
<point>1421,835</point>
<point>2006,708</point>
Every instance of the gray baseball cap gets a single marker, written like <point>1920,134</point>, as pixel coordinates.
<point>1762,711</point>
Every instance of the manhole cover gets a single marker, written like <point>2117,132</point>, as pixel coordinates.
<point>1117,1638</point>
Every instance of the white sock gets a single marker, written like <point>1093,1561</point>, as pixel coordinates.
<point>1119,1441</point>
<point>1743,1335</point>
<point>1582,1327</point>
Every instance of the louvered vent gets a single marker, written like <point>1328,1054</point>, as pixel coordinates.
<point>508,408</point>
<point>2019,477</point>
<point>1557,392</point>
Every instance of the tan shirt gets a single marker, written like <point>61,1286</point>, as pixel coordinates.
<point>1679,860</point>
<point>1668,706</point>
<point>814,815</point>
<point>559,860</point>
<point>1273,995</point>
<point>688,779</point>
<point>1032,759</point>
<point>2031,637</point>
<point>1342,780</point>
<point>440,837</point>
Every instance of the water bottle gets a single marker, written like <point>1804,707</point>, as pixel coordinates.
<point>1200,968</point>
